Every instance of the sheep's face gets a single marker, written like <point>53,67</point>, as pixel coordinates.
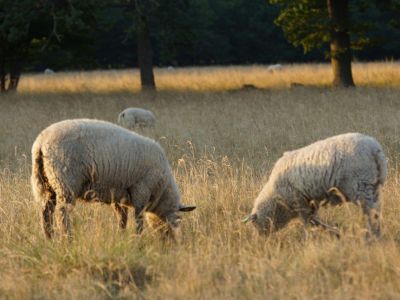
<point>127,120</point>
<point>168,225</point>
<point>263,225</point>
<point>169,206</point>
<point>270,215</point>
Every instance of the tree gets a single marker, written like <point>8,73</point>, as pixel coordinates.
<point>159,21</point>
<point>29,27</point>
<point>339,23</point>
<point>143,9</point>
<point>156,20</point>
<point>340,51</point>
<point>15,18</point>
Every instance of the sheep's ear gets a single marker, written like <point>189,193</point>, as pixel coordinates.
<point>251,218</point>
<point>186,208</point>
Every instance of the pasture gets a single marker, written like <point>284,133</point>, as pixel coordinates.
<point>221,141</point>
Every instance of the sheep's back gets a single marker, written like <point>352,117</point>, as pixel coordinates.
<point>99,153</point>
<point>336,161</point>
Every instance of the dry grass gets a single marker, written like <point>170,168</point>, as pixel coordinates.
<point>209,78</point>
<point>221,146</point>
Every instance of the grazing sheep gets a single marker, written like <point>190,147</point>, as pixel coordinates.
<point>273,68</point>
<point>98,161</point>
<point>349,167</point>
<point>134,117</point>
<point>48,71</point>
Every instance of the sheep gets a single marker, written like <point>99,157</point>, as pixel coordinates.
<point>48,71</point>
<point>344,168</point>
<point>96,161</point>
<point>134,117</point>
<point>276,67</point>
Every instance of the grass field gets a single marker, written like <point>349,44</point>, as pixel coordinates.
<point>222,146</point>
<point>207,79</point>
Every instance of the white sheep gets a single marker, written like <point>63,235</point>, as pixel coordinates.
<point>273,68</point>
<point>349,167</point>
<point>134,117</point>
<point>48,71</point>
<point>98,161</point>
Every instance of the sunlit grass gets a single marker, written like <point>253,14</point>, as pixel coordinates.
<point>222,147</point>
<point>209,78</point>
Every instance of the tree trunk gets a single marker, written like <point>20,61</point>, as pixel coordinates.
<point>15,74</point>
<point>340,50</point>
<point>13,83</point>
<point>2,74</point>
<point>145,54</point>
<point>2,83</point>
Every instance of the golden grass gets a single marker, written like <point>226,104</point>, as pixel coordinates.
<point>221,147</point>
<point>208,78</point>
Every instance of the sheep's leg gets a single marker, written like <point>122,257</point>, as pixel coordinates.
<point>67,204</point>
<point>122,212</point>
<point>139,219</point>
<point>48,216</point>
<point>372,212</point>
<point>140,195</point>
<point>65,220</point>
<point>315,221</point>
<point>310,217</point>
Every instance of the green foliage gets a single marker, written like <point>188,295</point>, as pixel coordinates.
<point>306,22</point>
<point>35,30</point>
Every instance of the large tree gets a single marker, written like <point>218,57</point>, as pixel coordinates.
<point>341,24</point>
<point>28,28</point>
<point>156,21</point>
<point>142,12</point>
<point>15,19</point>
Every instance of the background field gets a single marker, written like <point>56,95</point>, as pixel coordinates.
<point>221,146</point>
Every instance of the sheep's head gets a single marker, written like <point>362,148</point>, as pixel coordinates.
<point>270,215</point>
<point>127,120</point>
<point>168,224</point>
<point>263,225</point>
<point>169,207</point>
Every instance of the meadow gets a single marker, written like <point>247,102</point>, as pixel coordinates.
<point>222,142</point>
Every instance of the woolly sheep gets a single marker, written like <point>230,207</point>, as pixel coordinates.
<point>349,167</point>
<point>97,161</point>
<point>48,71</point>
<point>134,117</point>
<point>273,68</point>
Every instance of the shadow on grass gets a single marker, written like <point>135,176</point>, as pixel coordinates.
<point>114,279</point>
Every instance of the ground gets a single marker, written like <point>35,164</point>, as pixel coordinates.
<point>222,142</point>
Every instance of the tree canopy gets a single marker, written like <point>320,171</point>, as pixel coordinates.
<point>73,34</point>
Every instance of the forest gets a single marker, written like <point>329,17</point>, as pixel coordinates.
<point>112,34</point>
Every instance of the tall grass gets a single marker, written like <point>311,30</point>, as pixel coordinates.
<point>221,147</point>
<point>209,78</point>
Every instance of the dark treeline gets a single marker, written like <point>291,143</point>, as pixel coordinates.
<point>195,32</point>
<point>94,34</point>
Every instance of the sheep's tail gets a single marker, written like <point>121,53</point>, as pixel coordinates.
<point>381,165</point>
<point>40,185</point>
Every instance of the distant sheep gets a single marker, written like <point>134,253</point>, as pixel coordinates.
<point>97,161</point>
<point>134,117</point>
<point>349,167</point>
<point>48,71</point>
<point>273,68</point>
